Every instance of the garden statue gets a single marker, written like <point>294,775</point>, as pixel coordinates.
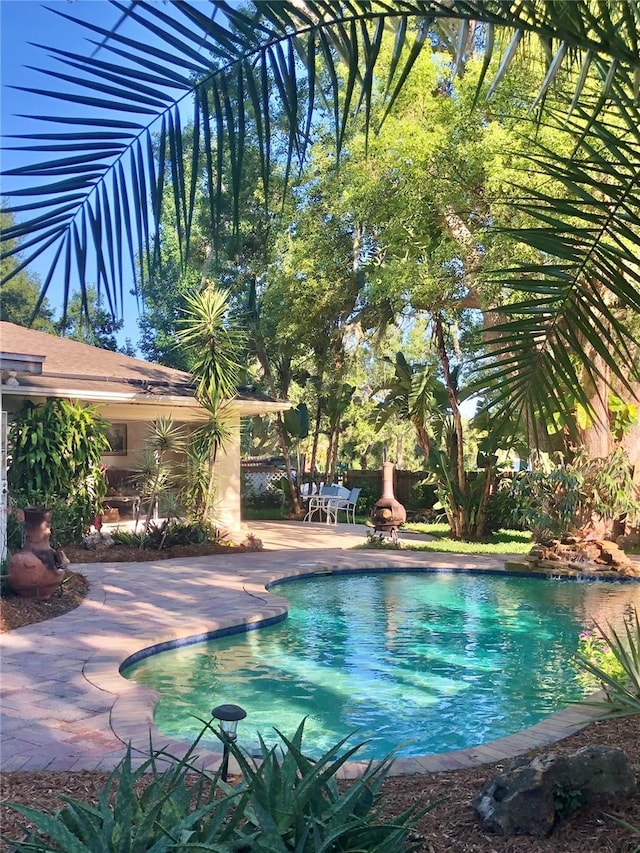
<point>37,570</point>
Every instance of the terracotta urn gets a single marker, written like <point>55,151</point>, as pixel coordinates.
<point>34,572</point>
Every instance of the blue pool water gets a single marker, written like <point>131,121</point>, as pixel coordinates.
<point>434,661</point>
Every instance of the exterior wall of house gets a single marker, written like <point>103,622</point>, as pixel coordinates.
<point>136,435</point>
<point>137,419</point>
<point>227,480</point>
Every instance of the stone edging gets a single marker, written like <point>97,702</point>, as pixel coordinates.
<point>133,708</point>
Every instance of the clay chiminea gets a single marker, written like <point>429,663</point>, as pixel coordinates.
<point>388,514</point>
<point>34,572</point>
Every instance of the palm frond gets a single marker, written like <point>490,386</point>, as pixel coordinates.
<point>579,297</point>
<point>93,199</point>
<point>237,64</point>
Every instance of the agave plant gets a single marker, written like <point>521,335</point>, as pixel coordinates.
<point>104,186</point>
<point>284,802</point>
<point>622,691</point>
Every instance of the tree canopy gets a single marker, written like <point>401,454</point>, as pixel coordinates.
<point>95,191</point>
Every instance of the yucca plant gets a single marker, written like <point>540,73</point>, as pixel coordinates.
<point>622,691</point>
<point>154,471</point>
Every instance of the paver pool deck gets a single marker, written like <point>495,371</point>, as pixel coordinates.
<point>65,706</point>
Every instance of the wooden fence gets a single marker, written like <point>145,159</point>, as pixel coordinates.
<point>404,483</point>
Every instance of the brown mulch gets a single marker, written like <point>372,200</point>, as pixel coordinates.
<point>451,826</point>
<point>16,611</point>
<point>123,554</point>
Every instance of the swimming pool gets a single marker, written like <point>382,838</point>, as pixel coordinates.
<point>433,661</point>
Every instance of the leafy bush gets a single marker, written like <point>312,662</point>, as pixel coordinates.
<point>273,497</point>
<point>55,452</point>
<point>424,495</point>
<point>367,498</point>
<point>127,538</point>
<point>167,533</point>
<point>287,802</point>
<point>501,511</point>
<point>574,495</point>
<point>14,533</point>
<point>594,648</point>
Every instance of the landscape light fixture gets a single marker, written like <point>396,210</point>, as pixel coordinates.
<point>228,716</point>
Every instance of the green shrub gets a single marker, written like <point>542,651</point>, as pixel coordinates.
<point>287,802</point>
<point>572,495</point>
<point>424,496</point>
<point>367,497</point>
<point>501,511</point>
<point>593,648</point>
<point>165,534</point>
<point>55,452</point>
<point>139,810</point>
<point>127,539</point>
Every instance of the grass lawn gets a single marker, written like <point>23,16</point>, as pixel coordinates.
<point>266,514</point>
<point>502,542</point>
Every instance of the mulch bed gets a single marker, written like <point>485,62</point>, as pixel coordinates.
<point>16,611</point>
<point>450,826</point>
<point>123,554</point>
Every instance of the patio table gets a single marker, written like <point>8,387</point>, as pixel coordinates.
<point>329,500</point>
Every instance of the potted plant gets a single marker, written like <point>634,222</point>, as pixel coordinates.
<point>55,470</point>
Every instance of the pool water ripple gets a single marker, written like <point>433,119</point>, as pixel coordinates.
<point>432,661</point>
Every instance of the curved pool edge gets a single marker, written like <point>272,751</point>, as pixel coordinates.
<point>133,710</point>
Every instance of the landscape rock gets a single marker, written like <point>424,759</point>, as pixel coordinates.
<point>530,796</point>
<point>572,555</point>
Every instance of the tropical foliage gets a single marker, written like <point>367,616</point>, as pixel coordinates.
<point>576,496</point>
<point>620,678</point>
<point>98,186</point>
<point>288,802</point>
<point>55,450</point>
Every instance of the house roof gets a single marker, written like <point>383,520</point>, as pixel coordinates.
<point>39,364</point>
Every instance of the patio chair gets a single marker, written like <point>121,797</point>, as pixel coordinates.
<point>348,505</point>
<point>326,502</point>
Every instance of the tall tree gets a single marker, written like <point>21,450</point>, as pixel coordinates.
<point>20,289</point>
<point>89,322</point>
<point>94,195</point>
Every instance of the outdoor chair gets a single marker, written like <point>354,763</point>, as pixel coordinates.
<point>326,503</point>
<point>348,505</point>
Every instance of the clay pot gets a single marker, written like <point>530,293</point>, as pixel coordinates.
<point>29,577</point>
<point>33,572</point>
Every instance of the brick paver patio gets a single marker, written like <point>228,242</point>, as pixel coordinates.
<point>66,707</point>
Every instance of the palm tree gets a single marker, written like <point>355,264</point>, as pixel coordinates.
<point>100,198</point>
<point>215,347</point>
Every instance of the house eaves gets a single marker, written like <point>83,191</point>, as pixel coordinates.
<point>66,368</point>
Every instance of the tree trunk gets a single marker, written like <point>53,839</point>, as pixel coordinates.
<point>316,438</point>
<point>284,447</point>
<point>597,439</point>
<point>460,527</point>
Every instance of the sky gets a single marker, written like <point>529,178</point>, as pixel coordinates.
<point>24,24</point>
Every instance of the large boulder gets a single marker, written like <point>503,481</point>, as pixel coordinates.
<point>530,796</point>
